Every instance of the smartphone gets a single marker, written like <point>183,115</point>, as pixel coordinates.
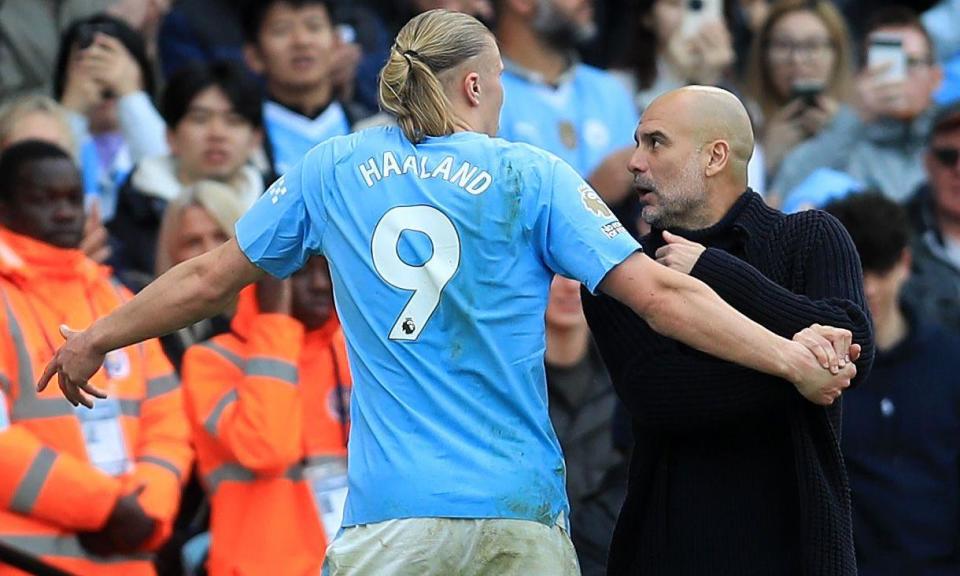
<point>88,30</point>
<point>698,12</point>
<point>887,49</point>
<point>347,33</point>
<point>806,92</point>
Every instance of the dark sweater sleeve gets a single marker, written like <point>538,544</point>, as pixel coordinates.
<point>672,387</point>
<point>832,295</point>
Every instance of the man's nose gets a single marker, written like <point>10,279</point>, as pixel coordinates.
<point>638,162</point>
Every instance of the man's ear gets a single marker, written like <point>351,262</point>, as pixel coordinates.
<point>719,151</point>
<point>471,88</point>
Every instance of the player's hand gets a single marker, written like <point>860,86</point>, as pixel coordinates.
<point>74,364</point>
<point>814,382</point>
<point>679,253</point>
<point>833,347</point>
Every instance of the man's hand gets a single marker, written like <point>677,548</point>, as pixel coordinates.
<point>74,364</point>
<point>127,528</point>
<point>679,254</point>
<point>113,66</point>
<point>816,383</point>
<point>81,92</point>
<point>875,97</point>
<point>95,244</point>
<point>345,59</point>
<point>833,347</point>
<point>274,296</point>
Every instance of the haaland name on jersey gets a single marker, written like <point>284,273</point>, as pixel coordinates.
<point>466,176</point>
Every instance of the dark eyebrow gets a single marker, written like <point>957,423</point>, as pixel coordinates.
<point>655,134</point>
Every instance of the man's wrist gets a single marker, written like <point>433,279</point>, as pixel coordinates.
<point>95,339</point>
<point>791,361</point>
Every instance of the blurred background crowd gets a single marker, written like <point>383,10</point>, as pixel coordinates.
<point>147,127</point>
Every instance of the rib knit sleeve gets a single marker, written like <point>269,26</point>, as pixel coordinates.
<point>832,294</point>
<point>671,387</point>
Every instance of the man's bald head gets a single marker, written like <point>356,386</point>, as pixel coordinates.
<point>706,115</point>
<point>690,164</point>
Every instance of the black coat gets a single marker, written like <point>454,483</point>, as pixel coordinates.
<point>786,273</point>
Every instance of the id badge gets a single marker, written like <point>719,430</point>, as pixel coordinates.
<point>103,436</point>
<point>328,483</point>
<point>4,416</point>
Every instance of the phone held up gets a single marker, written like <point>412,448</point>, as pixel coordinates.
<point>696,13</point>
<point>886,50</point>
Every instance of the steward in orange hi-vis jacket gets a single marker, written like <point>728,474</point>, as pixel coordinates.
<point>89,491</point>
<point>269,405</point>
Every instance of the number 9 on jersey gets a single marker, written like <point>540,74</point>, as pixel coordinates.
<point>427,280</point>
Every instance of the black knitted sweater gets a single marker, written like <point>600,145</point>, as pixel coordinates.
<point>786,273</point>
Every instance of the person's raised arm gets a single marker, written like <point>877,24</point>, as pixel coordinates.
<point>687,310</point>
<point>196,289</point>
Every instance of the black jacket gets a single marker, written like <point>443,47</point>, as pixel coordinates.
<point>786,273</point>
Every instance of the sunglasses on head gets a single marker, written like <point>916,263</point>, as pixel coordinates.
<point>947,157</point>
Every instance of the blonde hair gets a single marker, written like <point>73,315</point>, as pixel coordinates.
<point>220,201</point>
<point>760,84</point>
<point>426,46</point>
<point>13,112</point>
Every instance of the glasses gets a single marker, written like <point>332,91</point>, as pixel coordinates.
<point>784,50</point>
<point>915,63</point>
<point>947,157</point>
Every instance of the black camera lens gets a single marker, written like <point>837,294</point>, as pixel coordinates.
<point>695,5</point>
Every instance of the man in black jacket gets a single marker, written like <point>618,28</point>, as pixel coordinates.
<point>733,472</point>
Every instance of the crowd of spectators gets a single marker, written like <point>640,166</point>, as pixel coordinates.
<point>177,115</point>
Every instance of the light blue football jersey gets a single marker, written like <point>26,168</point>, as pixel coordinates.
<point>585,118</point>
<point>291,135</point>
<point>441,256</point>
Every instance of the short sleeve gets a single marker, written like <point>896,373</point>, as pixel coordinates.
<point>285,226</point>
<point>579,236</point>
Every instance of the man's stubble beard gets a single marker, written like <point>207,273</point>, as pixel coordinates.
<point>560,31</point>
<point>676,213</point>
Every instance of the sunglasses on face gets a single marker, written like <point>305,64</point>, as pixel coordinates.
<point>947,157</point>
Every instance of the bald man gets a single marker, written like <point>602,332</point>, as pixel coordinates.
<point>733,472</point>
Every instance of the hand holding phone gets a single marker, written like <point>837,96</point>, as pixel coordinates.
<point>886,56</point>
<point>698,12</point>
<point>806,92</point>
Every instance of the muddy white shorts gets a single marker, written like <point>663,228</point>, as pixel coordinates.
<point>452,547</point>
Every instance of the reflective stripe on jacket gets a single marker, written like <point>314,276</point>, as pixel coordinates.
<point>49,488</point>
<point>262,400</point>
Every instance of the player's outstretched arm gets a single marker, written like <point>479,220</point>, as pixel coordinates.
<point>687,310</point>
<point>189,292</point>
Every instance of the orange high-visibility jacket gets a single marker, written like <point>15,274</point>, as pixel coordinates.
<point>49,488</point>
<point>262,401</point>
